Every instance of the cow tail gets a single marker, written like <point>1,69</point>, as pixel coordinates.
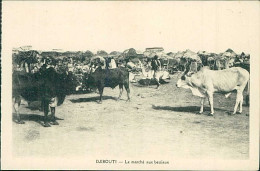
<point>248,92</point>
<point>61,98</point>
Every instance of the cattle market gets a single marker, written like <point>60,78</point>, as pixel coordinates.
<point>76,94</point>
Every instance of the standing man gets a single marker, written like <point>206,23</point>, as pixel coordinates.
<point>156,66</point>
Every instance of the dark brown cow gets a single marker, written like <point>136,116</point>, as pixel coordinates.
<point>46,86</point>
<point>101,78</point>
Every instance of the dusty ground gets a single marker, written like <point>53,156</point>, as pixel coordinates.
<point>155,122</point>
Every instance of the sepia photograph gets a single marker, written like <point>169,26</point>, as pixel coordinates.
<point>147,85</point>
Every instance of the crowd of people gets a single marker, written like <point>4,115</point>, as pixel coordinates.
<point>70,64</point>
<point>135,65</point>
<point>60,65</point>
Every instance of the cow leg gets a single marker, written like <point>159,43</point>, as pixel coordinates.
<point>247,100</point>
<point>53,119</point>
<point>151,76</point>
<point>248,92</point>
<point>157,83</point>
<point>201,105</point>
<point>127,90</point>
<point>149,82</point>
<point>46,110</point>
<point>121,91</point>
<point>210,97</point>
<point>16,104</point>
<point>100,94</point>
<point>241,103</point>
<point>239,99</point>
<point>157,79</point>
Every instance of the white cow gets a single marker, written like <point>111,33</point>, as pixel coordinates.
<point>205,82</point>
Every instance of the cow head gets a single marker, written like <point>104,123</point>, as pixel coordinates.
<point>91,79</point>
<point>65,84</point>
<point>183,81</point>
<point>70,82</point>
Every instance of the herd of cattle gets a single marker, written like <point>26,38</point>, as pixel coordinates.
<point>51,87</point>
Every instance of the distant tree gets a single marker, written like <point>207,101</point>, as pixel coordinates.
<point>115,53</point>
<point>130,53</point>
<point>102,53</point>
<point>88,54</point>
<point>28,57</point>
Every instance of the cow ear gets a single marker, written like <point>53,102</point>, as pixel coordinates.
<point>190,74</point>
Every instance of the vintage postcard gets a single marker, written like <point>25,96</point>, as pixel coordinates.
<point>144,85</point>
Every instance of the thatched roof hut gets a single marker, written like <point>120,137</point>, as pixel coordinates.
<point>203,53</point>
<point>229,53</point>
<point>191,55</point>
<point>243,55</point>
<point>171,54</point>
<point>26,56</point>
<point>179,54</point>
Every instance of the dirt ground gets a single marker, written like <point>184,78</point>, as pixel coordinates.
<point>155,122</point>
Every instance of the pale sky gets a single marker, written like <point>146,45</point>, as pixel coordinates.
<point>210,26</point>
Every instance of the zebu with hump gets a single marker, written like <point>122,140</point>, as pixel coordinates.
<point>206,82</point>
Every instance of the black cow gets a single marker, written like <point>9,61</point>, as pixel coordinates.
<point>46,86</point>
<point>101,78</point>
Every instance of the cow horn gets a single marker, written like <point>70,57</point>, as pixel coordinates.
<point>187,68</point>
